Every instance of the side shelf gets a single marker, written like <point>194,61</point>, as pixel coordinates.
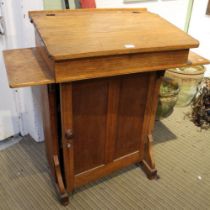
<point>195,59</point>
<point>26,68</point>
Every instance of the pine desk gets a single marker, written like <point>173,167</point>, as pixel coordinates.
<point>100,70</point>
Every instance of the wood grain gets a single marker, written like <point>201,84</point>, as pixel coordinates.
<point>109,64</point>
<point>50,123</point>
<point>42,50</point>
<point>194,59</point>
<point>112,115</point>
<point>148,162</point>
<point>132,101</point>
<point>66,125</point>
<point>103,170</point>
<point>67,11</point>
<point>148,110</point>
<point>25,67</point>
<point>61,190</point>
<point>87,68</point>
<point>151,106</point>
<point>89,111</point>
<point>79,34</point>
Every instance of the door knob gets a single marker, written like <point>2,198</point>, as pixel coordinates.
<point>69,134</point>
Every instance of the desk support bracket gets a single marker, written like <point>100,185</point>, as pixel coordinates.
<point>148,163</point>
<point>59,184</point>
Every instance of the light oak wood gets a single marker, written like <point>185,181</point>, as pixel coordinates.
<point>194,59</point>
<point>107,32</point>
<point>87,68</point>
<point>42,51</point>
<point>67,11</point>
<point>25,67</point>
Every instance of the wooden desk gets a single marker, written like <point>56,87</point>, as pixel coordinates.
<point>101,70</point>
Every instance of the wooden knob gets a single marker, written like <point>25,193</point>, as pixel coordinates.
<point>69,134</point>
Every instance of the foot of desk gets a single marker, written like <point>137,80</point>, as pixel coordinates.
<point>148,164</point>
<point>150,172</point>
<point>60,188</point>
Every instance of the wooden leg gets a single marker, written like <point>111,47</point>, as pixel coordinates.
<point>60,188</point>
<point>148,164</point>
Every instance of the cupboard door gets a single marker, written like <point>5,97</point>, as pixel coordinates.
<point>89,123</point>
<point>132,101</point>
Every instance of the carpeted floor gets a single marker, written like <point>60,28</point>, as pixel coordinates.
<point>182,156</point>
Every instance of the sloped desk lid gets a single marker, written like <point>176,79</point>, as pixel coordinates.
<point>70,34</point>
<point>25,68</point>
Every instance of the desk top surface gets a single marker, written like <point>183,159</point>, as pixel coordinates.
<point>69,34</point>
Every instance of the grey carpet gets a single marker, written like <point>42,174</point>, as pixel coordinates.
<point>182,156</point>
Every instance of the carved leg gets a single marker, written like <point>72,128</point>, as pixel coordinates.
<point>148,164</point>
<point>60,188</point>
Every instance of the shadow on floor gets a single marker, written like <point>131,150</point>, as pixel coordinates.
<point>162,134</point>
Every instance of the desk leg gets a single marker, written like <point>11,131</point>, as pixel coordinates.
<point>148,164</point>
<point>67,134</point>
<point>60,188</point>
<point>51,131</point>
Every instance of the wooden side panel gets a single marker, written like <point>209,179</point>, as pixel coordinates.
<point>148,163</point>
<point>50,123</point>
<point>67,137</point>
<point>132,103</point>
<point>89,111</point>
<point>41,48</point>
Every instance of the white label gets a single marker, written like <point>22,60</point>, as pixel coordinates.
<point>129,46</point>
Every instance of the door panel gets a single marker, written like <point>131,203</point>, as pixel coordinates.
<point>89,123</point>
<point>133,92</point>
<point>90,111</point>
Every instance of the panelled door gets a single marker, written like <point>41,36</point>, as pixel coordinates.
<point>106,119</point>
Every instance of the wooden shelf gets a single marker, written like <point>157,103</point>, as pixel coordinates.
<point>26,68</point>
<point>194,59</point>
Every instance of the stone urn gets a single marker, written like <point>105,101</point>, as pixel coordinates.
<point>168,96</point>
<point>188,79</point>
